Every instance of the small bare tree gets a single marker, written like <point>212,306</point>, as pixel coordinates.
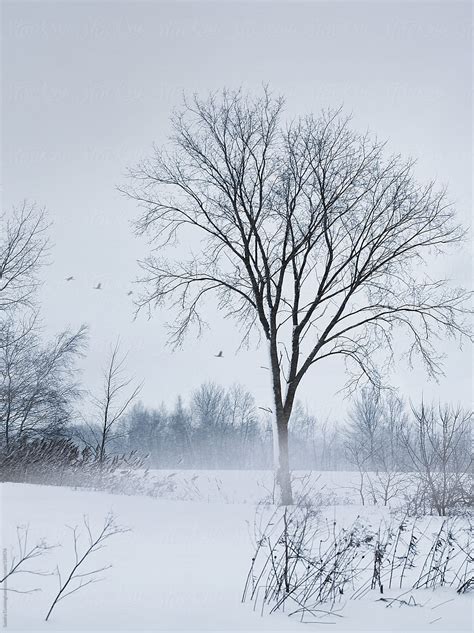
<point>440,453</point>
<point>373,443</point>
<point>77,579</point>
<point>21,557</point>
<point>117,395</point>
<point>363,432</point>
<point>307,231</point>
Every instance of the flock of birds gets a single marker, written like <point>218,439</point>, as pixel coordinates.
<point>98,286</point>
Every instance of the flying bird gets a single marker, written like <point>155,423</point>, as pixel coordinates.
<point>219,355</point>
<point>130,292</point>
<point>69,278</point>
<point>98,287</point>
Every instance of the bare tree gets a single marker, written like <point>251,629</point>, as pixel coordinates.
<point>23,246</point>
<point>373,443</point>
<point>389,479</point>
<point>440,453</point>
<point>363,432</point>
<point>244,422</point>
<point>307,231</point>
<point>224,424</point>
<point>211,413</point>
<point>16,341</point>
<point>38,383</point>
<point>117,395</point>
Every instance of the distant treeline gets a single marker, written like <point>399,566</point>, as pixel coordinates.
<point>219,428</point>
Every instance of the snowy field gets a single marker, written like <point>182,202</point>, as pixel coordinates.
<point>182,565</point>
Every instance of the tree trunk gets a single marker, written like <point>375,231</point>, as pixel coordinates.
<point>102,447</point>
<point>7,436</point>
<point>280,430</point>
<point>281,459</point>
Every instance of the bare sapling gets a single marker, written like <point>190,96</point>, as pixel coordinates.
<point>117,395</point>
<point>25,553</point>
<point>77,579</point>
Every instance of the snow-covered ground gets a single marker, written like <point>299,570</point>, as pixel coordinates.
<point>183,564</point>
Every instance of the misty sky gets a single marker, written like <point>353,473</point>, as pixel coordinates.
<point>88,87</point>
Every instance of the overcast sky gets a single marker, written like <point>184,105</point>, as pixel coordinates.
<point>88,87</point>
